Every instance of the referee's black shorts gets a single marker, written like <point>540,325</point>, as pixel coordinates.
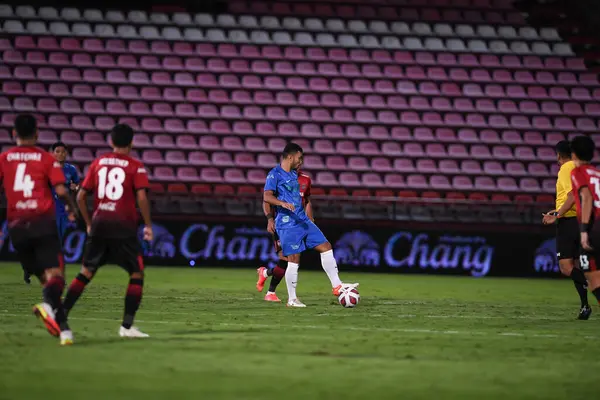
<point>567,238</point>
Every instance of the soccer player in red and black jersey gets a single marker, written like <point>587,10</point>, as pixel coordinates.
<point>278,272</point>
<point>585,181</point>
<point>28,174</point>
<point>117,181</point>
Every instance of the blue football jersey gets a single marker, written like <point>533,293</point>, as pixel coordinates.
<point>286,188</point>
<point>71,176</point>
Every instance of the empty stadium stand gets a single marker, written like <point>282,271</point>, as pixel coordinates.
<point>434,99</point>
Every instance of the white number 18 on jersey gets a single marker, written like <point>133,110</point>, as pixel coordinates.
<point>110,183</point>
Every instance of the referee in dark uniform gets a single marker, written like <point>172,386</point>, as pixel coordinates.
<point>567,227</point>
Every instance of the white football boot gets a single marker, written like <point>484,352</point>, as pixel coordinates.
<point>295,303</point>
<point>132,332</point>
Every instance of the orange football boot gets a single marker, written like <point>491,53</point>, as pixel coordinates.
<point>40,311</point>
<point>271,296</point>
<point>260,283</point>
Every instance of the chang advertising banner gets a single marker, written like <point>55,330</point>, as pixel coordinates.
<point>365,248</point>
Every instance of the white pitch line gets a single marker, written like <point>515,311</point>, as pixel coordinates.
<point>324,327</point>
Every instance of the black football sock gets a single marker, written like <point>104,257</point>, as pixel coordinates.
<point>77,287</point>
<point>133,298</point>
<point>270,271</point>
<point>580,285</point>
<point>278,273</point>
<point>52,291</point>
<point>597,294</point>
<point>26,277</point>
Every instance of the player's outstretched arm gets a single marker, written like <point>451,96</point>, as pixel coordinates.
<point>83,208</point>
<point>144,205</point>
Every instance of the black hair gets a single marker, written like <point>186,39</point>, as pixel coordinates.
<point>583,147</point>
<point>25,126</point>
<point>121,135</point>
<point>57,145</point>
<point>291,148</point>
<point>563,149</point>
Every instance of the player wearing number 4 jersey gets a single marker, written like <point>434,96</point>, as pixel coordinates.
<point>117,180</point>
<point>586,187</point>
<point>28,174</point>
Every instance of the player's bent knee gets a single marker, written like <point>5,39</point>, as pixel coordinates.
<point>566,266</point>
<point>50,273</point>
<point>322,248</point>
<point>294,258</point>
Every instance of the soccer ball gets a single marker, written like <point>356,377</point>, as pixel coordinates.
<point>349,298</point>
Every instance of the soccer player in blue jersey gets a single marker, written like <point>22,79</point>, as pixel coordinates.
<point>296,231</point>
<point>60,151</point>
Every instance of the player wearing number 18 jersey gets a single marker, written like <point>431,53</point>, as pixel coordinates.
<point>117,181</point>
<point>585,180</point>
<point>28,174</point>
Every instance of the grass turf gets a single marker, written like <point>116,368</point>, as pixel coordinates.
<point>411,337</point>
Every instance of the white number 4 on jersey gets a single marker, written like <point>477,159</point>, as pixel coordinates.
<point>23,182</point>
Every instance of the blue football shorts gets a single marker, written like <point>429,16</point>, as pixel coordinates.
<point>62,223</point>
<point>299,238</point>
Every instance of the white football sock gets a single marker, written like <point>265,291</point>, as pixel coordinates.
<point>330,267</point>
<point>291,279</point>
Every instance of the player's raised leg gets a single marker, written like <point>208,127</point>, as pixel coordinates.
<point>44,253</point>
<point>315,239</point>
<point>277,275</point>
<point>51,311</point>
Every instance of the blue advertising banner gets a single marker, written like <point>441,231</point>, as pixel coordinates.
<point>356,247</point>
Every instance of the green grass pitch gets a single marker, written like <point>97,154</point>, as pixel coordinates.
<point>213,337</point>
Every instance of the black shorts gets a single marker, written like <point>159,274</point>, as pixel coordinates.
<point>125,252</point>
<point>567,238</point>
<point>589,261</point>
<point>37,253</point>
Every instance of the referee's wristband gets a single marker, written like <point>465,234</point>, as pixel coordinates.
<point>269,217</point>
<point>583,228</point>
<point>554,214</point>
